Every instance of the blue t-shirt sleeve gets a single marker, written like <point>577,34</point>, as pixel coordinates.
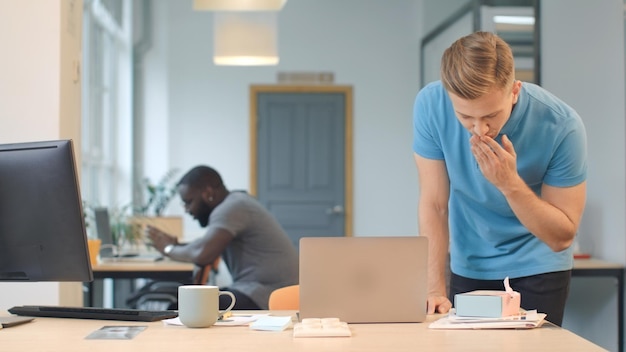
<point>568,167</point>
<point>426,142</point>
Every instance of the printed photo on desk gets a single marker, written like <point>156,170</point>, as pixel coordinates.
<point>116,333</point>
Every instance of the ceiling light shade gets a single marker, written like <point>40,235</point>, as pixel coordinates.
<point>238,5</point>
<point>245,38</point>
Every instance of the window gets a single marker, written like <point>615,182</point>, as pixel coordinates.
<point>106,178</point>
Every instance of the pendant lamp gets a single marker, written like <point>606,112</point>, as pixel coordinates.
<point>238,5</point>
<point>245,38</point>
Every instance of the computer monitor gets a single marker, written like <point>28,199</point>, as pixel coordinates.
<point>42,227</point>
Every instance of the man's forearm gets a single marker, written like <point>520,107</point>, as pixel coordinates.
<point>180,252</point>
<point>434,226</point>
<point>544,220</point>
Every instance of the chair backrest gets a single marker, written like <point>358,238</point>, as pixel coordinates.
<point>285,298</point>
<point>201,274</point>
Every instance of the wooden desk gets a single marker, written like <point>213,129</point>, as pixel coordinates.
<point>161,270</point>
<point>68,335</point>
<point>600,268</point>
<point>167,270</point>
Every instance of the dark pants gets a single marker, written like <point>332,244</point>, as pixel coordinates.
<point>546,293</point>
<point>242,302</point>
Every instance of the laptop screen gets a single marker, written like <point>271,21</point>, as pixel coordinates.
<point>103,228</point>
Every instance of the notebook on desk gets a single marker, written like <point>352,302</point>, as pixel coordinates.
<point>364,279</point>
<point>7,322</point>
<point>107,252</point>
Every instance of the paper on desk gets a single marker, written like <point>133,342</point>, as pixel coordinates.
<point>526,320</point>
<point>240,319</point>
<point>271,323</point>
<point>233,320</point>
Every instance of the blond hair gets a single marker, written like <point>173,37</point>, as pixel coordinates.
<point>475,64</point>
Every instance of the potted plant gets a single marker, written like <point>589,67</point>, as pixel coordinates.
<point>157,197</point>
<point>126,233</point>
<point>128,222</point>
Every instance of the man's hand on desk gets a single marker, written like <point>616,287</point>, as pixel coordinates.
<point>438,304</point>
<point>160,239</point>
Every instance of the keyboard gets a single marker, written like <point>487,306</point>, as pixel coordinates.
<point>93,313</point>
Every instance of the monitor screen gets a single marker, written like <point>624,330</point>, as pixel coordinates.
<point>42,228</point>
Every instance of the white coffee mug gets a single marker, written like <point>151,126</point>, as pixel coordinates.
<point>198,305</point>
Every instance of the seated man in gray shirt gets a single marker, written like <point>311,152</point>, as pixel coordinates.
<point>254,247</point>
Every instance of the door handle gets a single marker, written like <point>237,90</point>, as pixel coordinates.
<point>336,210</point>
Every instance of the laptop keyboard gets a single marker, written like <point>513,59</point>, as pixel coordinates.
<point>93,313</point>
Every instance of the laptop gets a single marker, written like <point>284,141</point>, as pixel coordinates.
<point>364,279</point>
<point>107,252</point>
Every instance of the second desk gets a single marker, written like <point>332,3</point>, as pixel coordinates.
<point>166,270</point>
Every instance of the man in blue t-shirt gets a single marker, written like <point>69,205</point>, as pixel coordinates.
<point>502,171</point>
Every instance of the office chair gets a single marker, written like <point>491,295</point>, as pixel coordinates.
<point>202,274</point>
<point>285,298</point>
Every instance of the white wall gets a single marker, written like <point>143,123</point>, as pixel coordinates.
<point>583,63</point>
<point>39,100</point>
<point>369,44</point>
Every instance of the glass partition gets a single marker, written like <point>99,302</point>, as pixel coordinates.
<point>516,21</point>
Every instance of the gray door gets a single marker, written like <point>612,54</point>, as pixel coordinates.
<point>301,160</point>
